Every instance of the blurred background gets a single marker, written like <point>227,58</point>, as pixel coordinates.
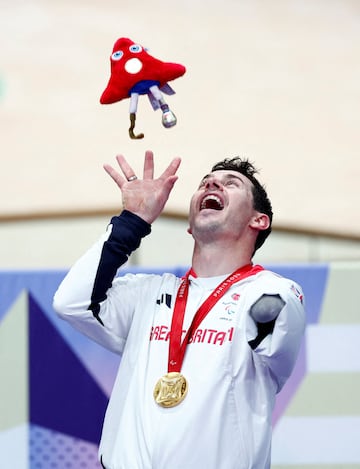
<point>275,81</point>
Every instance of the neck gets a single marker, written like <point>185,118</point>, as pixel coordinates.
<point>211,260</point>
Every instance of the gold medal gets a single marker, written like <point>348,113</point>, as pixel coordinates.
<point>171,389</point>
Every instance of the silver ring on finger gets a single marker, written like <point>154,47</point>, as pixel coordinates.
<point>132,178</point>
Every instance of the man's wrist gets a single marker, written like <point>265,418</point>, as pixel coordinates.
<point>127,231</point>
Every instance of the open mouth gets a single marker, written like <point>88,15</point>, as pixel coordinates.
<point>212,202</point>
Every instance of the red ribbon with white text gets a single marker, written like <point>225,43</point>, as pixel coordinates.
<point>177,348</point>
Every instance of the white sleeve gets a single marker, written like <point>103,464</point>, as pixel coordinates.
<point>279,349</point>
<point>73,297</point>
<point>89,297</point>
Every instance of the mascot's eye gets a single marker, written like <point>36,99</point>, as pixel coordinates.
<point>135,48</point>
<point>117,55</point>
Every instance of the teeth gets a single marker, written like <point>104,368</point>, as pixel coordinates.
<point>211,201</point>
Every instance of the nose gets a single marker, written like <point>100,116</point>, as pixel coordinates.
<point>213,183</point>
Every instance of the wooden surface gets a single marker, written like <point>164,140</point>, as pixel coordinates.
<point>277,82</point>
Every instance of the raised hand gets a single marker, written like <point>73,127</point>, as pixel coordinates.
<point>145,197</point>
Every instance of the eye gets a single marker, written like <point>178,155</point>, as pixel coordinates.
<point>117,55</point>
<point>232,182</point>
<point>135,48</point>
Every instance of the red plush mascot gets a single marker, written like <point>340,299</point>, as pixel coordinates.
<point>135,72</point>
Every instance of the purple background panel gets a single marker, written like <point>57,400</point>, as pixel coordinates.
<point>63,395</point>
<point>52,450</point>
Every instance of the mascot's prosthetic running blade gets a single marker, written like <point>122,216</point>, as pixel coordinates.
<point>135,72</point>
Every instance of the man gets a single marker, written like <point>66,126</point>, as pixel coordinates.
<point>204,356</point>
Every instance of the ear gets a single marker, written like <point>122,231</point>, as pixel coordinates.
<point>260,221</point>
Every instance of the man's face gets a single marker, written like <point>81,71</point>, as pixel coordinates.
<point>223,204</point>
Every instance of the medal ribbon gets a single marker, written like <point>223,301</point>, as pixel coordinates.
<point>176,347</point>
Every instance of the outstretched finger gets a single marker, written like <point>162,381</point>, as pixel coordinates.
<point>149,165</point>
<point>171,169</point>
<point>115,175</point>
<point>125,167</point>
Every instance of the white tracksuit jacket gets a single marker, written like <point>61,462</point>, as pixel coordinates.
<point>224,422</point>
